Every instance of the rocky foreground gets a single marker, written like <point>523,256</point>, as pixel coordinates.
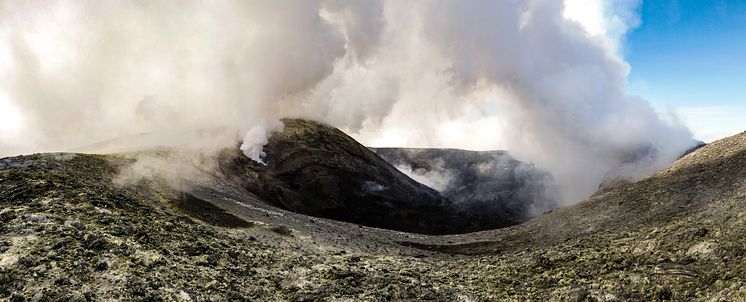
<point>72,230</point>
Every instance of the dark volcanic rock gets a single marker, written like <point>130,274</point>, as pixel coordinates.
<point>318,170</point>
<point>487,184</point>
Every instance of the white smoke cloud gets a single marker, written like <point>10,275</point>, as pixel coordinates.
<point>513,74</point>
<point>85,71</point>
<point>436,177</point>
<point>255,140</point>
<point>609,20</point>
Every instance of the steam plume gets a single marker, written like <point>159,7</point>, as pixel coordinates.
<point>511,74</point>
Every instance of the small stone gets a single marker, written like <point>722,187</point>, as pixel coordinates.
<point>665,294</point>
<point>17,298</point>
<point>36,218</point>
<point>7,216</point>
<point>62,281</point>
<point>578,294</point>
<point>235,296</point>
<point>184,296</point>
<point>102,266</point>
<point>282,230</point>
<point>75,224</point>
<point>212,260</point>
<point>95,242</point>
<point>37,297</point>
<point>39,269</point>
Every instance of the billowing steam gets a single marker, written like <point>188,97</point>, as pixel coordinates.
<point>507,74</point>
<point>436,178</point>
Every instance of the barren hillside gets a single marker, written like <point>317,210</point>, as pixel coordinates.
<point>70,231</point>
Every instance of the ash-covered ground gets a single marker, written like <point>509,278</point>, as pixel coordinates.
<point>72,229</point>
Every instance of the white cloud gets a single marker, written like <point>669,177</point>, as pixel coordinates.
<point>509,74</point>
<point>608,19</point>
<point>10,117</point>
<point>709,123</point>
<point>589,13</point>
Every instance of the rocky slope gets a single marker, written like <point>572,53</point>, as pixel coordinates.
<point>489,182</point>
<point>71,230</point>
<point>318,170</point>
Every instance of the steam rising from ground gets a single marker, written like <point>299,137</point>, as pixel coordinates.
<point>511,74</point>
<point>479,182</point>
<point>436,178</point>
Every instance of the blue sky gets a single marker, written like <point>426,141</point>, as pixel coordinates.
<point>691,55</point>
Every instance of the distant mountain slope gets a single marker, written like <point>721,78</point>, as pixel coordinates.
<point>709,183</point>
<point>479,181</point>
<point>616,177</point>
